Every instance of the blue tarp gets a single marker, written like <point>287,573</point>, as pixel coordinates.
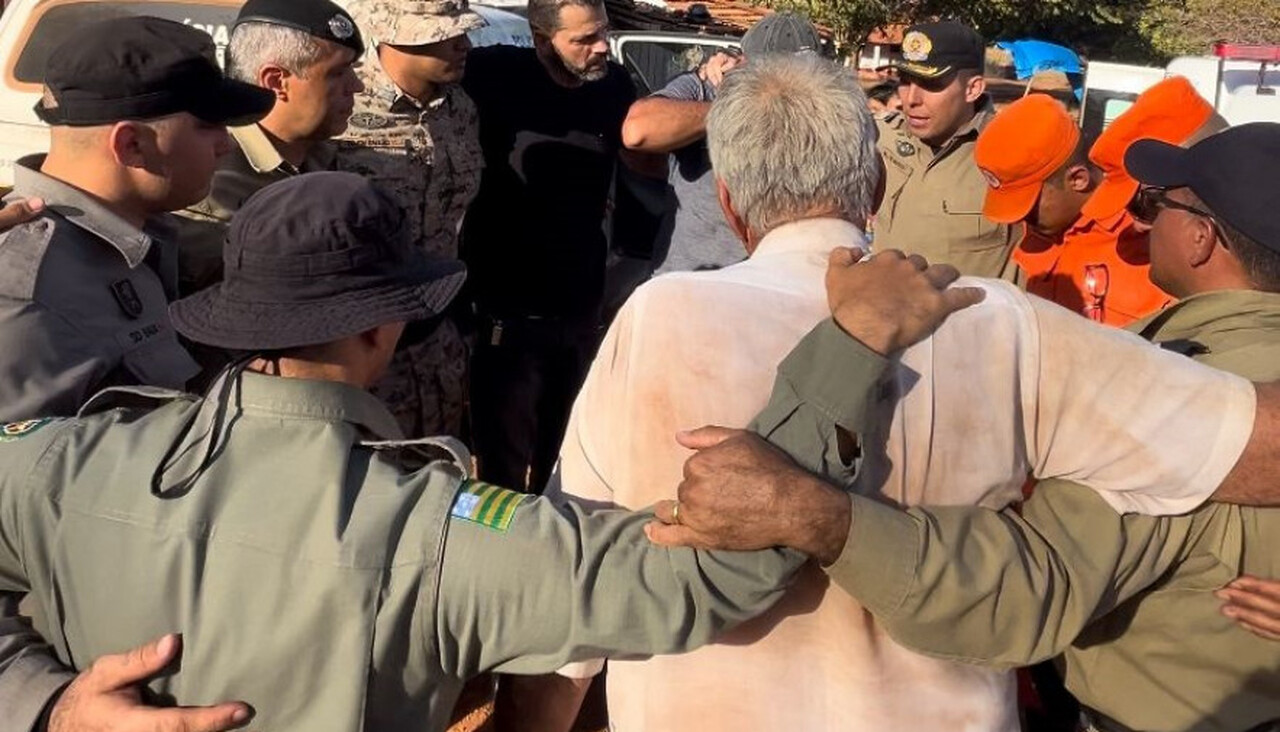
<point>1031,56</point>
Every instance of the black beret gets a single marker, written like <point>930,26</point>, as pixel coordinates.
<point>320,18</point>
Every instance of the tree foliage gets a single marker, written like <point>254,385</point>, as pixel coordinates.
<point>1123,30</point>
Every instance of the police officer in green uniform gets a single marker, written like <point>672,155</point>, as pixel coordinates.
<point>137,110</point>
<point>320,567</point>
<point>933,190</point>
<point>304,52</point>
<point>1128,600</point>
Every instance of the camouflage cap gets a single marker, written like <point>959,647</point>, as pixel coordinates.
<point>414,23</point>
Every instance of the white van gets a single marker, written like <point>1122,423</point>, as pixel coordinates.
<point>31,29</point>
<point>1242,82</point>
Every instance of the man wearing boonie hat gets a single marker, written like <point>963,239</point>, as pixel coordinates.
<point>933,192</point>
<point>414,131</point>
<point>1100,265</point>
<point>673,120</point>
<point>304,52</point>
<point>138,110</point>
<point>328,572</point>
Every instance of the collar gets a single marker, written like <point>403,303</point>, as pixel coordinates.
<point>379,85</point>
<point>81,209</point>
<point>1112,224</point>
<point>809,236</point>
<point>320,400</point>
<point>258,149</point>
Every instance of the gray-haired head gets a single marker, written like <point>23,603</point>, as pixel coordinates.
<point>791,135</point>
<point>256,44</point>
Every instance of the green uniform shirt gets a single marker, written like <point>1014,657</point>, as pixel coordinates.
<point>316,574</point>
<point>1128,599</point>
<point>933,201</point>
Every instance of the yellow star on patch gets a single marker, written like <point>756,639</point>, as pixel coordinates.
<point>916,46</point>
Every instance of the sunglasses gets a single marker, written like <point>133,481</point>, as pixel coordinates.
<point>1146,205</point>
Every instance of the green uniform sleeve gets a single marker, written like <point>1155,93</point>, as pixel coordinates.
<point>982,586</point>
<point>560,585</point>
<point>825,384</point>
<point>557,584</point>
<point>30,673</point>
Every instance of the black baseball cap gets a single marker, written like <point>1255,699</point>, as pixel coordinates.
<point>143,68</point>
<point>1235,172</point>
<point>781,32</point>
<point>319,18</point>
<point>931,50</point>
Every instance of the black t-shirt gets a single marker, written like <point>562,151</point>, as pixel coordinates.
<point>533,238</point>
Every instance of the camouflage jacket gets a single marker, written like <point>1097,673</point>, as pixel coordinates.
<point>427,156</point>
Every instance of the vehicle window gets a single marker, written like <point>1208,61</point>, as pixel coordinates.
<point>54,25</point>
<point>1101,107</point>
<point>653,63</point>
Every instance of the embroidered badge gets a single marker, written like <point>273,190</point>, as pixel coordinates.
<point>127,298</point>
<point>341,27</point>
<point>916,46</point>
<point>18,430</point>
<point>487,505</point>
<point>368,121</point>
<point>992,180</point>
<point>906,149</point>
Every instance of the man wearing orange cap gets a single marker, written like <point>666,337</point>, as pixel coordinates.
<point>1099,264</point>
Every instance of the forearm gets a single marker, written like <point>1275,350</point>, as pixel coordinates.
<point>660,125</point>
<point>30,674</point>
<point>1255,479</point>
<point>982,586</point>
<point>546,703</point>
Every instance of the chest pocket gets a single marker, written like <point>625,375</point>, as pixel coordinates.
<point>153,356</point>
<point>965,226</point>
<point>399,164</point>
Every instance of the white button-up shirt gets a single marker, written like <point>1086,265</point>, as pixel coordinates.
<point>1012,386</point>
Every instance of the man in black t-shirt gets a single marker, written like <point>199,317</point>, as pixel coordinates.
<point>533,239</point>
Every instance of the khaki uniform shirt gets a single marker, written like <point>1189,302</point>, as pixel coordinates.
<point>933,201</point>
<point>1127,599</point>
<point>252,166</point>
<point>83,305</point>
<point>317,572</point>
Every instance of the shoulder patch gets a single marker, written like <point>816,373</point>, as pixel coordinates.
<point>486,504</point>
<point>14,431</point>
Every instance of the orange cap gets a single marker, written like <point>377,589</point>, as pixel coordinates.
<point>1170,111</point>
<point>1019,150</point>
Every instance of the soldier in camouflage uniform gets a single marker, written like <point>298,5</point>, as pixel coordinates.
<point>413,132</point>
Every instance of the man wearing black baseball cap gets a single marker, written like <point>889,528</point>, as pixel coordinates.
<point>933,190</point>
<point>304,52</point>
<point>138,110</point>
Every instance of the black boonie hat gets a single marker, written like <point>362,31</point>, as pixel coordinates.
<point>143,68</point>
<point>1229,171</point>
<point>931,50</point>
<point>320,18</point>
<point>313,259</point>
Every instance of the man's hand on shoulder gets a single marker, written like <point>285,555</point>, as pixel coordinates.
<point>717,66</point>
<point>20,212</point>
<point>105,698</point>
<point>892,300</point>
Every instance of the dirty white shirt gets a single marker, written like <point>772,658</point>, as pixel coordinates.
<point>1015,385</point>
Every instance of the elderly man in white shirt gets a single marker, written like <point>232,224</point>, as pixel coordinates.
<point>1010,387</point>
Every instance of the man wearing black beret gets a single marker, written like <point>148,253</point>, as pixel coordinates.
<point>304,52</point>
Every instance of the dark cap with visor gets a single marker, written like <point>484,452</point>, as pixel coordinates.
<point>141,68</point>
